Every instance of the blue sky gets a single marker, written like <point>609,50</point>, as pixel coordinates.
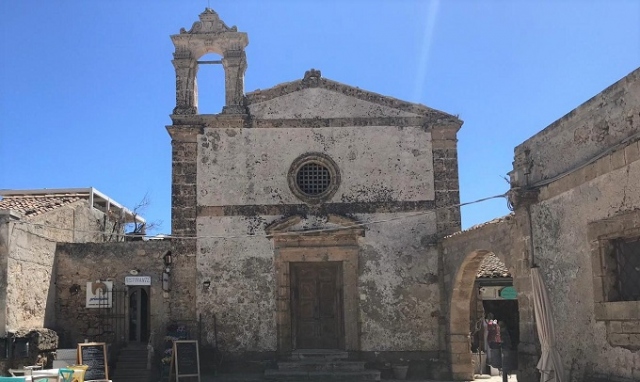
<point>88,86</point>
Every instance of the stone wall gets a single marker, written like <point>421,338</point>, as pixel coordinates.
<point>573,275</point>
<point>77,264</point>
<point>591,128</point>
<point>398,289</point>
<point>583,172</point>
<point>462,255</point>
<point>32,242</point>
<point>239,167</point>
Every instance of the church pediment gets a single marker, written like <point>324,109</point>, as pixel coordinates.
<point>317,97</point>
<point>314,225</point>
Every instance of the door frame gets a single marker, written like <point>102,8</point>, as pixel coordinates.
<point>290,245</point>
<point>130,292</point>
<point>339,299</point>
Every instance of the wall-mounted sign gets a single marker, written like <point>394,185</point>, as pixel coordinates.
<point>509,293</point>
<point>99,294</point>
<point>137,280</point>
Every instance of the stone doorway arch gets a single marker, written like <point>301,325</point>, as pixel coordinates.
<point>464,283</point>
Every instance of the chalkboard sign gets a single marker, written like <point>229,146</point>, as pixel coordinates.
<point>94,355</point>
<point>186,359</point>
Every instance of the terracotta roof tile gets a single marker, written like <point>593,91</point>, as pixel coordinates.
<point>492,267</point>
<point>34,205</point>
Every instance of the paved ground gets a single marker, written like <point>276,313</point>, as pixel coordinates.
<point>258,378</point>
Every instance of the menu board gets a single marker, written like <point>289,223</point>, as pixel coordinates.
<point>94,355</point>
<point>186,359</point>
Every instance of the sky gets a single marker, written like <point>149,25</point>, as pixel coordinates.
<point>88,86</point>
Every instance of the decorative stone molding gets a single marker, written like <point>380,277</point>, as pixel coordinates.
<point>292,246</point>
<point>209,35</point>
<point>325,162</point>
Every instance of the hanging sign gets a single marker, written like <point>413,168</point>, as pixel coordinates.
<point>509,293</point>
<point>99,294</point>
<point>137,280</point>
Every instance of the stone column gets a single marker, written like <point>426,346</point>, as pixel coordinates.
<point>186,93</point>
<point>235,65</point>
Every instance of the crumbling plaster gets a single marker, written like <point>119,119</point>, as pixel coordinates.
<point>241,167</point>
<point>321,103</point>
<point>563,252</point>
<point>398,291</point>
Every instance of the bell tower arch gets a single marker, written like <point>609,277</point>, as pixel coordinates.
<point>209,35</point>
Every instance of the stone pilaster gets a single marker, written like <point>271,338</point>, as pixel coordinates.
<point>445,174</point>
<point>183,222</point>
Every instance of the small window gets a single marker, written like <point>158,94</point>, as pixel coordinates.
<point>314,177</point>
<point>627,262</point>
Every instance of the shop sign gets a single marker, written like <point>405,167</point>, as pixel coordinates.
<point>509,293</point>
<point>99,294</point>
<point>137,280</point>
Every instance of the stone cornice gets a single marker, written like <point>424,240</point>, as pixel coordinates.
<point>323,209</point>
<point>315,81</point>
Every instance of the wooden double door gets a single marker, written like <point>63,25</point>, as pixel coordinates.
<point>317,308</point>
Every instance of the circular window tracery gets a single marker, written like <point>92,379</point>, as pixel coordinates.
<point>314,177</point>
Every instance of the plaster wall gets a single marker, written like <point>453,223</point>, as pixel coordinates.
<point>377,163</point>
<point>563,252</point>
<point>599,123</point>
<point>321,103</point>
<point>398,291</point>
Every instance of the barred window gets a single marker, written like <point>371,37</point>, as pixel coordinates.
<point>313,178</point>
<point>627,259</point>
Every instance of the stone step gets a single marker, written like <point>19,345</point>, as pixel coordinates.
<point>321,365</point>
<point>318,354</point>
<point>323,376</point>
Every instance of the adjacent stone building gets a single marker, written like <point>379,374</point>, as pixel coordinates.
<point>576,216</point>
<point>32,223</point>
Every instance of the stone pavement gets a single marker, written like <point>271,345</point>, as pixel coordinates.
<point>259,378</point>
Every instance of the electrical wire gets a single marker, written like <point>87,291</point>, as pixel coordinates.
<point>266,235</point>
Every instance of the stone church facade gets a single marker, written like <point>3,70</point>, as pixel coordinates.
<point>317,209</point>
<point>315,215</point>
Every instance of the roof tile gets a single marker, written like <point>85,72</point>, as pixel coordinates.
<point>34,205</point>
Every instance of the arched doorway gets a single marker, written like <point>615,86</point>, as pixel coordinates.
<point>138,314</point>
<point>472,300</point>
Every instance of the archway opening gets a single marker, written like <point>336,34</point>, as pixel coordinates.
<point>484,319</point>
<point>210,84</point>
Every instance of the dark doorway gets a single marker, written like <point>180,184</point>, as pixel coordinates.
<point>138,314</point>
<point>317,305</point>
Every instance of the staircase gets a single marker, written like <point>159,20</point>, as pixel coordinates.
<point>131,365</point>
<point>320,365</point>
